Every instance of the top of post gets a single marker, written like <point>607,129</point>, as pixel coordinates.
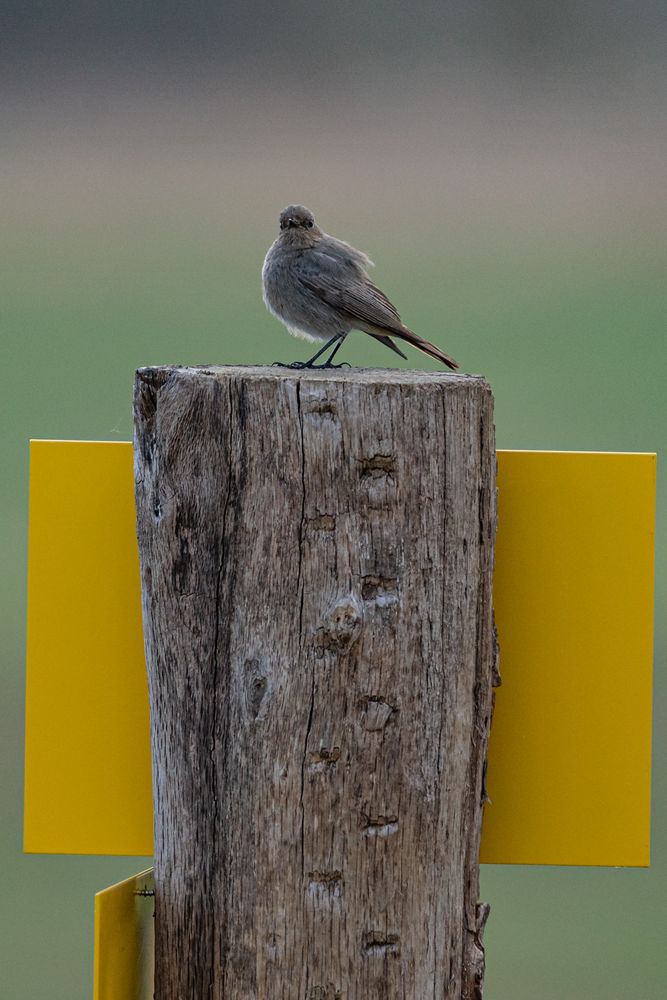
<point>158,375</point>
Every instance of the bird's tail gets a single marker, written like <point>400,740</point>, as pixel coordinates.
<point>425,346</point>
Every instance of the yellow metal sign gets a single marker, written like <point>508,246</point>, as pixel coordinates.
<point>570,750</point>
<point>87,761</point>
<point>569,760</point>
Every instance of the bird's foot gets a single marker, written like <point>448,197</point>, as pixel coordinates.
<point>300,365</point>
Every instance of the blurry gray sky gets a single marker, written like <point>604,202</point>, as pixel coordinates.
<point>555,107</point>
<point>603,42</point>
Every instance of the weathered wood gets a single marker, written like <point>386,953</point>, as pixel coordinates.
<point>316,556</point>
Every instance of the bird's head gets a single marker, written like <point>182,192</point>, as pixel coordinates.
<point>297,225</point>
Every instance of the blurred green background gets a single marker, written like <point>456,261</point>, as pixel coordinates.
<point>503,164</point>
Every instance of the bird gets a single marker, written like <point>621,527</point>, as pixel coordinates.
<point>318,286</point>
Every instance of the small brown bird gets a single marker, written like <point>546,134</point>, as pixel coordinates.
<point>318,287</point>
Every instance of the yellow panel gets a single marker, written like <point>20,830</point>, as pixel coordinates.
<point>124,940</point>
<point>569,767</point>
<point>87,764</point>
<point>570,753</point>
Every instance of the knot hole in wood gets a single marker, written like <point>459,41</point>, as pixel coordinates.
<point>341,626</point>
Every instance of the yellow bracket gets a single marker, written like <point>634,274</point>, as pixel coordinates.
<point>125,940</point>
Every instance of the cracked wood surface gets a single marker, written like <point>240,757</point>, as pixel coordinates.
<point>316,556</point>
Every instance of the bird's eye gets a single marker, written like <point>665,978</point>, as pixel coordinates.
<point>309,223</point>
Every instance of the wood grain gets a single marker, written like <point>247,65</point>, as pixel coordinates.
<point>316,556</point>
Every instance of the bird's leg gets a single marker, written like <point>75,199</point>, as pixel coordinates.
<point>337,340</point>
<point>329,362</point>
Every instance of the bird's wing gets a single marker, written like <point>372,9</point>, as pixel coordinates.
<point>341,284</point>
<point>339,249</point>
<point>388,342</point>
<point>345,287</point>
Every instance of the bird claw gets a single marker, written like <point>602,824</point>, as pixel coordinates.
<point>300,365</point>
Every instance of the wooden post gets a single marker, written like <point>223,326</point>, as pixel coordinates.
<point>316,557</point>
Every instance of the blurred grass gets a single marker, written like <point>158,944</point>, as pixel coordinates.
<point>568,325</point>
